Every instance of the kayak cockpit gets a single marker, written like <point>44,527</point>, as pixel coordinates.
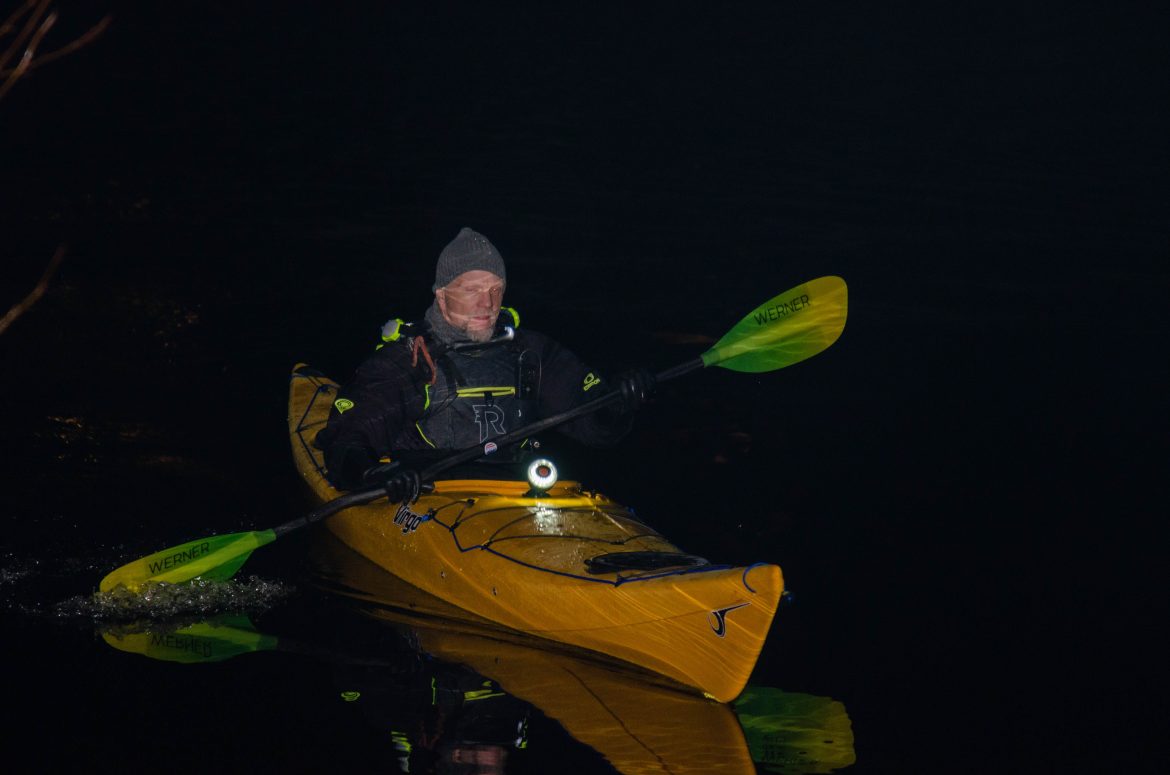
<point>564,530</point>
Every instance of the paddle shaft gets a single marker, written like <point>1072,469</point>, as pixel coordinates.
<point>369,494</point>
<point>786,329</point>
<point>472,453</point>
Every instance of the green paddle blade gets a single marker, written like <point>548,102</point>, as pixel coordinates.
<point>216,558</point>
<point>210,641</point>
<point>789,729</point>
<point>784,330</point>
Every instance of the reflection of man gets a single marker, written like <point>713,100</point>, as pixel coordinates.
<point>442,718</point>
<point>464,374</point>
<point>471,759</point>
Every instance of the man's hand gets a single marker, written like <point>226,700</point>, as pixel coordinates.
<point>401,484</point>
<point>403,487</point>
<point>636,386</point>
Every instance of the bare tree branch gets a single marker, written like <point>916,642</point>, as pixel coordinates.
<point>35,294</point>
<point>29,63</point>
<point>36,9</point>
<point>26,58</point>
<point>27,27</point>
<point>90,35</point>
<point>30,23</point>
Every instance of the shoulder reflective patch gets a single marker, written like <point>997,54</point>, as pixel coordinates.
<point>343,405</point>
<point>391,330</point>
<point>591,380</point>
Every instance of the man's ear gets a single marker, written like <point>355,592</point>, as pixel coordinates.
<point>441,298</point>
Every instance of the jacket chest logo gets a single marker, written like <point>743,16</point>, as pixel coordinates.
<point>490,419</point>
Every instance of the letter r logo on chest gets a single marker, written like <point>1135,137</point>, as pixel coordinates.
<point>490,419</point>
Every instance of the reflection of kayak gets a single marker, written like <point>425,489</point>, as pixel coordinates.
<point>565,565</point>
<point>638,726</point>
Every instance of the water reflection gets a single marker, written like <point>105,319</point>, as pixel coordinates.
<point>791,732</point>
<point>457,696</point>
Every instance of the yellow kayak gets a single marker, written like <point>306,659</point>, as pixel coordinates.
<point>560,563</point>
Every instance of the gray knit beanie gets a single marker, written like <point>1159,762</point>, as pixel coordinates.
<point>469,250</point>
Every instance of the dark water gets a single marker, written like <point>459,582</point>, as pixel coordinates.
<point>959,490</point>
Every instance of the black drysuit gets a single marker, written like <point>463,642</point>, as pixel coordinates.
<point>412,399</point>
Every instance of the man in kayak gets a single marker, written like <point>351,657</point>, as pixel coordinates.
<point>463,375</point>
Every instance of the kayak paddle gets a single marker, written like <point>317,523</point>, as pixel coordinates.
<point>782,331</point>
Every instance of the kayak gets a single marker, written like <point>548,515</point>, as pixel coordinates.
<point>555,562</point>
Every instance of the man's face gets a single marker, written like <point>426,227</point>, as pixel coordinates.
<point>471,303</point>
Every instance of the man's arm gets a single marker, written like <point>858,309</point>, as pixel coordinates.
<point>369,416</point>
<point>568,382</point>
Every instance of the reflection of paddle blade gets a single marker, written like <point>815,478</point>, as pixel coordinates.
<point>216,558</point>
<point>784,330</point>
<point>795,732</point>
<point>211,641</point>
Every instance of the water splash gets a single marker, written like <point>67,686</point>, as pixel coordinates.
<point>198,597</point>
<point>14,570</point>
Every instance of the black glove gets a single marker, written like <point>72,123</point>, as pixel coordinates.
<point>402,484</point>
<point>636,386</point>
<point>348,465</point>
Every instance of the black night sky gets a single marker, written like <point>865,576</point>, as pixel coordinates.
<point>958,490</point>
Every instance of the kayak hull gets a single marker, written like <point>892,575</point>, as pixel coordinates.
<point>491,553</point>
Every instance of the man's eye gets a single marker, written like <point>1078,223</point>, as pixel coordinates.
<point>496,290</point>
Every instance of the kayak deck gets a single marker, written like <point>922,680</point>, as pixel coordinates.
<point>566,565</point>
